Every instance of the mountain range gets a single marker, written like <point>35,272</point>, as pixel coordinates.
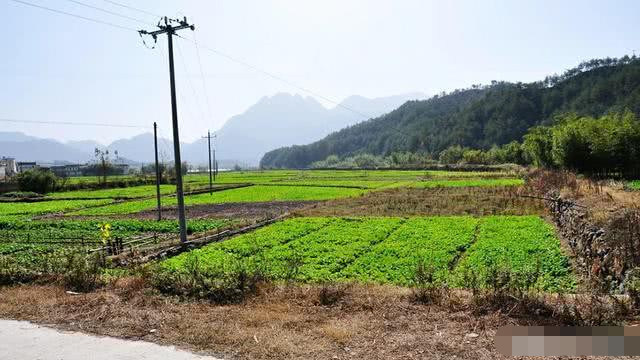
<point>479,117</point>
<point>279,120</point>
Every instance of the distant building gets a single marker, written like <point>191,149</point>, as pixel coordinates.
<point>67,170</point>
<point>122,169</point>
<point>25,166</point>
<point>8,168</point>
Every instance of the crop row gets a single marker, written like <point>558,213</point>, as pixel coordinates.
<point>47,207</point>
<point>523,244</point>
<point>388,250</point>
<point>255,193</point>
<point>122,193</point>
<point>28,241</point>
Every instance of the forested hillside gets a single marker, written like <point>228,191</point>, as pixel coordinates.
<point>481,116</point>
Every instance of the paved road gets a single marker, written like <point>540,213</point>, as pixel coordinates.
<point>20,340</point>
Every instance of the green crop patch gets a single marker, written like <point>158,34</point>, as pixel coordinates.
<point>120,193</point>
<point>47,207</point>
<point>255,193</point>
<point>434,241</point>
<point>635,184</point>
<point>522,245</point>
<point>388,250</point>
<point>28,242</point>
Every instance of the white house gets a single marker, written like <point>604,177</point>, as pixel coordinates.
<point>8,168</point>
<point>25,166</point>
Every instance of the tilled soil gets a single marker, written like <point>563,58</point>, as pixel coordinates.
<point>477,201</point>
<point>257,210</point>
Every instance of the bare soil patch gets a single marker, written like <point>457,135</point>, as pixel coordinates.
<point>367,322</point>
<point>479,201</point>
<point>256,210</point>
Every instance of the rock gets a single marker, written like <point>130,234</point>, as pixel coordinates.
<point>472,335</point>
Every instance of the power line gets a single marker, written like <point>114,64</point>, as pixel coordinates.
<point>109,12</point>
<point>75,15</point>
<point>217,52</point>
<point>204,83</point>
<point>70,123</point>
<point>285,81</point>
<point>193,89</point>
<point>133,8</point>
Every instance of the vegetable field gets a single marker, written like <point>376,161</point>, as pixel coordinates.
<point>388,250</point>
<point>336,248</point>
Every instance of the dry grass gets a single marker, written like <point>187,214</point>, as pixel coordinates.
<point>287,322</point>
<point>600,198</point>
<point>281,323</point>
<point>432,201</point>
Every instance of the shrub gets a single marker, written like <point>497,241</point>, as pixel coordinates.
<point>218,285</point>
<point>37,180</point>
<point>81,272</point>
<point>427,288</point>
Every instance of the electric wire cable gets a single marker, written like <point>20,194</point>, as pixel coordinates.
<point>76,15</point>
<point>109,12</point>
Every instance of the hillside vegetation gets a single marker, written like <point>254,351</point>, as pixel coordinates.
<point>481,116</point>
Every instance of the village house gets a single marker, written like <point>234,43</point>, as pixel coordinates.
<point>8,168</point>
<point>68,170</point>
<point>25,166</point>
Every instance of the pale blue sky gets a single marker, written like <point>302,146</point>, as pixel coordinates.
<point>59,68</point>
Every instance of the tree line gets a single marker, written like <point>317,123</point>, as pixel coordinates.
<point>598,146</point>
<point>479,117</point>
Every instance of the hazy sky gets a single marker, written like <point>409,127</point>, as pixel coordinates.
<point>58,68</point>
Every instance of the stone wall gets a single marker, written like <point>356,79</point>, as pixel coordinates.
<point>606,253</point>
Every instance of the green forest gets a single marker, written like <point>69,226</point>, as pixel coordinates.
<point>492,116</point>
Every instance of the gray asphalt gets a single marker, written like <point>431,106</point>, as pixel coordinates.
<point>20,340</point>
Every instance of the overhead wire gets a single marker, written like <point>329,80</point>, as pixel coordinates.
<point>212,50</point>
<point>204,83</point>
<point>290,83</point>
<point>122,27</point>
<point>132,8</point>
<point>110,12</point>
<point>186,74</point>
<point>73,123</point>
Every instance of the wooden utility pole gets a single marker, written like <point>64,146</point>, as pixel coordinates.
<point>215,164</point>
<point>155,145</point>
<point>211,174</point>
<point>170,30</point>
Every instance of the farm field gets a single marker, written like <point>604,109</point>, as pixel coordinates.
<point>30,243</point>
<point>635,184</point>
<point>388,250</point>
<point>47,207</point>
<point>257,193</point>
<point>346,243</point>
<point>117,193</point>
<point>336,247</point>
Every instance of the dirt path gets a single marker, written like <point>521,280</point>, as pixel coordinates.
<point>24,340</point>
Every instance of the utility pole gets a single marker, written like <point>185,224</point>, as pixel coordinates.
<point>208,137</point>
<point>170,30</point>
<point>155,145</point>
<point>215,164</point>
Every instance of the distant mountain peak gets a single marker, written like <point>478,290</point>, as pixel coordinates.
<point>282,119</point>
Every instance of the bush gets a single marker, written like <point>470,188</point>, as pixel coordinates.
<point>37,180</point>
<point>427,288</point>
<point>217,285</point>
<point>81,272</point>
